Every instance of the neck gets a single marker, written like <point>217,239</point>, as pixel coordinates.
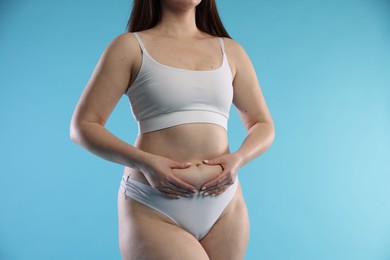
<point>178,23</point>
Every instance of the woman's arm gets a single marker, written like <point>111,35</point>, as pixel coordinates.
<point>252,108</point>
<point>109,81</point>
<point>253,111</point>
<point>107,84</point>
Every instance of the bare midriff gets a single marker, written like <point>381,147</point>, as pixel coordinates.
<point>193,143</point>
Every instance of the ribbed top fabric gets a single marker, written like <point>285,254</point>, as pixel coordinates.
<point>162,96</point>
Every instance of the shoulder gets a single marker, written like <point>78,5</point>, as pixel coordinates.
<point>234,49</point>
<point>235,53</point>
<point>123,47</point>
<point>123,42</point>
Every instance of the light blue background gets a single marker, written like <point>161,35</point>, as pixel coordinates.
<point>320,192</point>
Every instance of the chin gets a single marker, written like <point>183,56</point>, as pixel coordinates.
<point>181,4</point>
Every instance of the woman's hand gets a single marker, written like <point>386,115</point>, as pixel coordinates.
<point>158,172</point>
<point>230,164</point>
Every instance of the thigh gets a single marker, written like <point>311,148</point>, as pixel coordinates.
<point>228,238</point>
<point>145,233</point>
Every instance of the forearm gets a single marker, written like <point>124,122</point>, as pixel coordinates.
<point>259,139</point>
<point>98,140</point>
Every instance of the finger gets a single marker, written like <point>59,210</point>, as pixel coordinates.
<point>213,189</point>
<point>179,183</point>
<point>213,182</point>
<point>213,161</point>
<point>220,190</point>
<point>179,165</point>
<point>182,190</point>
<point>171,195</point>
<point>173,192</point>
<point>170,190</point>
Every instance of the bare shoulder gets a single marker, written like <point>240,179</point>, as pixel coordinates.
<point>235,52</point>
<point>233,48</point>
<point>125,40</point>
<point>123,46</point>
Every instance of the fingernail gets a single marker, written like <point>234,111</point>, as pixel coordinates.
<point>203,188</point>
<point>188,163</point>
<point>206,193</point>
<point>193,190</point>
<point>206,161</point>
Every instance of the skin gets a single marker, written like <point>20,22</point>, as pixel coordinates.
<point>159,158</point>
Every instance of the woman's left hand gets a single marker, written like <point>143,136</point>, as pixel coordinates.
<point>230,164</point>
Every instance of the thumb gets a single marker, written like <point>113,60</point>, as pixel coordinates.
<point>212,161</point>
<point>180,165</point>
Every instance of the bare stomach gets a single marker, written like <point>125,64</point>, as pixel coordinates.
<point>185,143</point>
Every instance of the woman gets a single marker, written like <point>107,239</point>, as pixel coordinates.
<point>179,196</point>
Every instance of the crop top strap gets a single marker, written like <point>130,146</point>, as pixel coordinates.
<point>222,45</point>
<point>139,41</point>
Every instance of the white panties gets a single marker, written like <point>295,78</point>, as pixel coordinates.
<point>196,213</point>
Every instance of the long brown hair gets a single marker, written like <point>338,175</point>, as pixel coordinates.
<point>147,14</point>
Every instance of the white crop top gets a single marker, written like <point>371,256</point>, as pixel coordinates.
<point>162,96</point>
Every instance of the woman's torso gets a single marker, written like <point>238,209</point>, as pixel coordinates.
<point>185,143</point>
<point>192,142</point>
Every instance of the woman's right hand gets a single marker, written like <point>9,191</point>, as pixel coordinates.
<point>158,172</point>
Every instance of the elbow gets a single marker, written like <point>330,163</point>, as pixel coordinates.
<point>75,132</point>
<point>269,128</point>
<point>272,133</point>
